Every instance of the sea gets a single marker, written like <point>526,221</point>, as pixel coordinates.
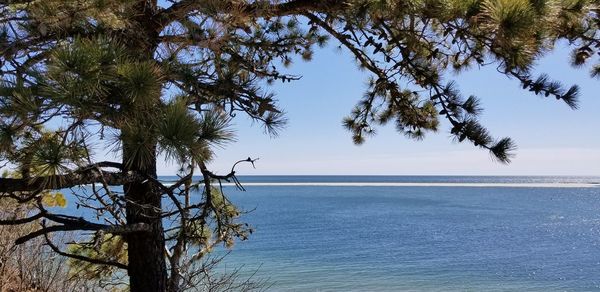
<point>420,233</point>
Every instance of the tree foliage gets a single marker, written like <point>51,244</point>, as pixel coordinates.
<point>150,79</point>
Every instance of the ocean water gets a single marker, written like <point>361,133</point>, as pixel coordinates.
<point>365,233</point>
<point>418,233</point>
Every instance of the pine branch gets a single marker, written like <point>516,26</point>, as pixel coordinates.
<point>82,258</point>
<point>542,86</point>
<point>257,9</point>
<point>83,176</point>
<point>70,223</point>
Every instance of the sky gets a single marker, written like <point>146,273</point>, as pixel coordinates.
<point>552,139</point>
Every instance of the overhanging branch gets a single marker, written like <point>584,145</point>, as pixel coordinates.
<point>84,226</point>
<point>83,176</point>
<point>256,9</point>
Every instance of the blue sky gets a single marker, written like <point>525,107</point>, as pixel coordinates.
<point>552,138</point>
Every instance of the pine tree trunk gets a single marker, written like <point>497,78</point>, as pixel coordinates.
<point>146,251</point>
<point>147,266</point>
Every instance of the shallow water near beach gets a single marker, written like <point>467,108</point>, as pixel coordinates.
<point>344,237</point>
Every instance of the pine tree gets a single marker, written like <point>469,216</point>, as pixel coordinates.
<point>146,77</point>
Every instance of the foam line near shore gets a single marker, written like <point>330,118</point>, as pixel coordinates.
<point>392,184</point>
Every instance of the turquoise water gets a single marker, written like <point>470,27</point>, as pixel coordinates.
<point>425,238</point>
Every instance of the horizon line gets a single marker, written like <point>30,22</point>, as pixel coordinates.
<point>430,175</point>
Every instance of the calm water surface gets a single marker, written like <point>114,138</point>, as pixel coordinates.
<point>420,238</point>
<point>341,238</point>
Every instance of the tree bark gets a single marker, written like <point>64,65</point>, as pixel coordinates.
<point>147,266</point>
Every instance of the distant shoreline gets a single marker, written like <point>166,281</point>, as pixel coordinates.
<point>413,175</point>
<point>387,184</point>
<point>412,181</point>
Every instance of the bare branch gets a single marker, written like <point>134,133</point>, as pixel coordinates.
<point>82,258</point>
<point>82,176</point>
<point>80,225</point>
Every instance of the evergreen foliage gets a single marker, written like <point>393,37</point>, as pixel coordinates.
<point>153,79</point>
